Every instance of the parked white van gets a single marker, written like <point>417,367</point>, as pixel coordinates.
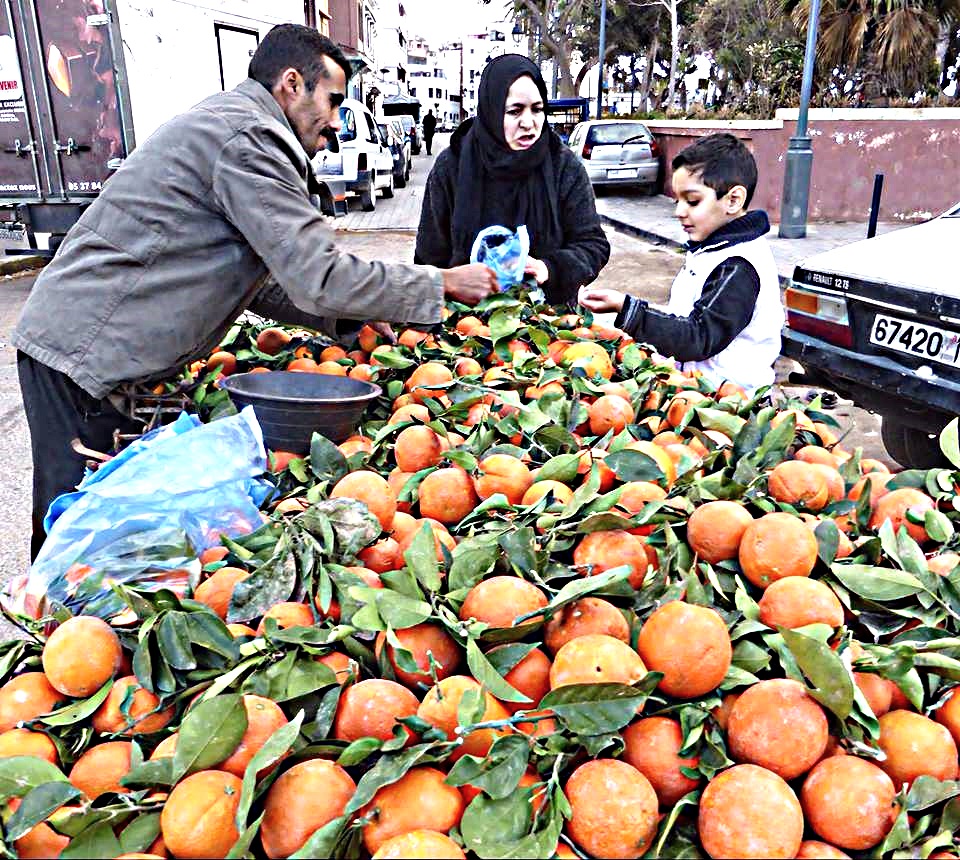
<point>367,160</point>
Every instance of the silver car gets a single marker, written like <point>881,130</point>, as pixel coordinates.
<point>617,152</point>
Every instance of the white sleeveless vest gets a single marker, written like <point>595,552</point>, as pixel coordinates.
<point>748,361</point>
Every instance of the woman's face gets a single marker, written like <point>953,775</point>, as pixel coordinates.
<point>523,114</point>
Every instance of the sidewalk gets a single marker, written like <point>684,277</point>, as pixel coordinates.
<point>652,218</point>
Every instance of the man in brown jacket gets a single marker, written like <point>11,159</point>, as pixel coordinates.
<point>183,238</point>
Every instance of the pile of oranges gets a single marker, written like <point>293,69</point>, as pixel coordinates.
<point>606,611</point>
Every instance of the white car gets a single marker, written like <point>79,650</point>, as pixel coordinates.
<point>367,160</point>
<point>879,322</point>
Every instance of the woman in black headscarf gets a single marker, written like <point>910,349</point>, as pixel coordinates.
<point>506,166</point>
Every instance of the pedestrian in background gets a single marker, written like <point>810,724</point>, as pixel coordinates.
<point>507,167</point>
<point>429,130</point>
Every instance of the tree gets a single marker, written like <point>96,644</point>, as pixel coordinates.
<point>671,6</point>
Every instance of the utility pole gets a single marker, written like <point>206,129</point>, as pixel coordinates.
<point>463,113</point>
<point>603,51</point>
<point>799,162</point>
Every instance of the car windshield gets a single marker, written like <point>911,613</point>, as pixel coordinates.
<point>348,124</point>
<point>619,132</point>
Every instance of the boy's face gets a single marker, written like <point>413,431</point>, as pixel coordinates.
<point>699,210</point>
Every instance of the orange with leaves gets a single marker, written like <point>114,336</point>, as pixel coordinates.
<point>775,546</point>
<point>217,590</point>
<point>498,600</point>
<point>610,412</point>
<point>430,374</point>
<point>914,746</point>
<point>447,495</point>
<point>432,649</point>
<point>371,489</point>
<point>100,769</point>
<point>588,615</point>
<point>26,742</point>
<point>426,844</point>
<point>25,698</point>
<point>264,717</point>
<point>799,483</point>
<point>198,819</point>
<point>652,746</point>
<point>601,551</point>
<point>370,708</point>
<point>81,655</point>
<point>144,715</point>
<point>895,505</point>
<point>796,601</point>
<point>596,659</point>
<point>439,708</point>
<point>418,447</point>
<point>715,529</point>
<point>502,473</point>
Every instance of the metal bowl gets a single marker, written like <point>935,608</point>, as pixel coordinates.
<point>292,406</point>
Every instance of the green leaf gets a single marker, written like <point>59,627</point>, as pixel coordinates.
<point>399,611</point>
<point>927,791</point>
<point>353,524</point>
<point>499,773</point>
<point>140,833</point>
<point>500,829</point>
<point>876,583</point>
<point>323,841</point>
<point>504,658</point>
<point>275,748</point>
<point>209,733</point>
<point>38,805</point>
<point>519,545</point>
<point>828,540</point>
<point>19,774</point>
<point>938,526</point>
<point>421,558</point>
<point>592,709</point>
<point>173,637</point>
<point>270,583</point>
<point>78,710</point>
<point>388,770</point>
<point>718,419</point>
<point>949,443</point>
<point>97,842</point>
<point>150,773</point>
<point>241,848</point>
<point>481,669</point>
<point>326,460</point>
<point>358,751</point>
<point>832,683</point>
<point>634,466</point>
<point>473,559</point>
<point>562,468</point>
<point>577,588</point>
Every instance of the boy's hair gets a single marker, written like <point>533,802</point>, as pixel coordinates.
<point>722,162</point>
<point>298,47</point>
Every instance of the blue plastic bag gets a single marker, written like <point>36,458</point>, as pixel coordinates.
<point>504,251</point>
<point>144,517</point>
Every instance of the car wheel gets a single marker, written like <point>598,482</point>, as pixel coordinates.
<point>910,447</point>
<point>388,191</point>
<point>368,197</point>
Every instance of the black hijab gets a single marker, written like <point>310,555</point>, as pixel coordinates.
<point>487,164</point>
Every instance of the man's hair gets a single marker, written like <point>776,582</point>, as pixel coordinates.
<point>722,162</point>
<point>293,46</point>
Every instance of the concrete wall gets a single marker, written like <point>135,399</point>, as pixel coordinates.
<point>918,151</point>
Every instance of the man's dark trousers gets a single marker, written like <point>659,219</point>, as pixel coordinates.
<point>58,411</point>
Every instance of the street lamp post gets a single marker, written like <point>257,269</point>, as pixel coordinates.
<point>799,162</point>
<point>603,51</point>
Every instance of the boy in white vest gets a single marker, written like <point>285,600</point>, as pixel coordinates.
<point>724,315</point>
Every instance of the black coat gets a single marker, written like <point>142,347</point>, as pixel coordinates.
<point>429,125</point>
<point>578,260</point>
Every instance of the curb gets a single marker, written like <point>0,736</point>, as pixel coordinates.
<point>14,265</point>
<point>639,232</point>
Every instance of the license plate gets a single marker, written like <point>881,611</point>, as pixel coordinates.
<point>628,173</point>
<point>923,341</point>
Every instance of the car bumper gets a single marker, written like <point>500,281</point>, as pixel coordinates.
<point>360,183</point>
<point>875,382</point>
<point>646,174</point>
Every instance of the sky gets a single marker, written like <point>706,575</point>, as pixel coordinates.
<point>458,18</point>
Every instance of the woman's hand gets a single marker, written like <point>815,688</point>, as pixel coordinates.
<point>538,269</point>
<point>600,300</point>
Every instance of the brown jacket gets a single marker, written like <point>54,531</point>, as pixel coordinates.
<point>182,240</point>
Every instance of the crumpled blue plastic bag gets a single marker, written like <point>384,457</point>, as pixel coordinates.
<point>504,251</point>
<point>143,518</point>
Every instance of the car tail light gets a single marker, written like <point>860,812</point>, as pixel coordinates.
<point>587,150</point>
<point>819,315</point>
<point>654,149</point>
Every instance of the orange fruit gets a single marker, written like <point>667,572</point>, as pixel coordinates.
<point>948,715</point>
<point>198,819</point>
<point>166,748</point>
<point>26,742</point>
<point>429,374</point>
<point>409,412</point>
<point>689,644</point>
<point>498,600</point>
<point>596,658</point>
<point>588,615</point>
<point>144,716</point>
<point>915,746</point>
<point>226,361</point>
<point>355,445</point>
<point>369,709</point>
<point>371,489</point>
<point>418,447</point>
<point>418,844</point>
<point>362,371</point>
<point>748,811</point>
<point>592,357</point>
<point>345,668</point>
<point>613,809</point>
<point>501,473</point>
<point>878,486</point>
<point>428,644</point>
<point>331,368</point>
<point>537,490</point>
<point>607,476</point>
<point>447,495</point>
<point>652,746</point>
<point>777,725</point>
<point>441,537</point>
<point>531,676</point>
<point>798,483</point>
<point>815,454</point>
<point>775,546</point>
<point>39,842</point>
<point>836,488</point>
<point>439,708</point>
<point>382,556</point>
<point>796,601</point>
<point>682,404</point>
<point>663,460</point>
<point>100,769</point>
<point>420,799</point>
<point>894,506</point>
<point>849,801</point>
<point>943,563</point>
<point>264,717</point>
<point>803,422</point>
<point>272,340</point>
<point>303,799</point>
<point>610,412</point>
<point>81,655</point>
<point>25,698</point>
<point>467,367</point>
<point>287,614</point>
<point>600,551</point>
<point>216,591</point>
<point>302,365</point>
<point>812,849</point>
<point>715,529</point>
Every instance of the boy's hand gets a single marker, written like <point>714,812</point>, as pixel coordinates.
<point>600,300</point>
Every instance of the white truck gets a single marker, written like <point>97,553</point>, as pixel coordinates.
<point>81,81</point>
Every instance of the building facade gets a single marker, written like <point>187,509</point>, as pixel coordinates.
<point>464,61</point>
<point>353,27</point>
<point>429,83</point>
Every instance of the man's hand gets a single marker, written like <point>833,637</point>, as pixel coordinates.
<point>600,300</point>
<point>384,330</point>
<point>469,284</point>
<point>538,269</point>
